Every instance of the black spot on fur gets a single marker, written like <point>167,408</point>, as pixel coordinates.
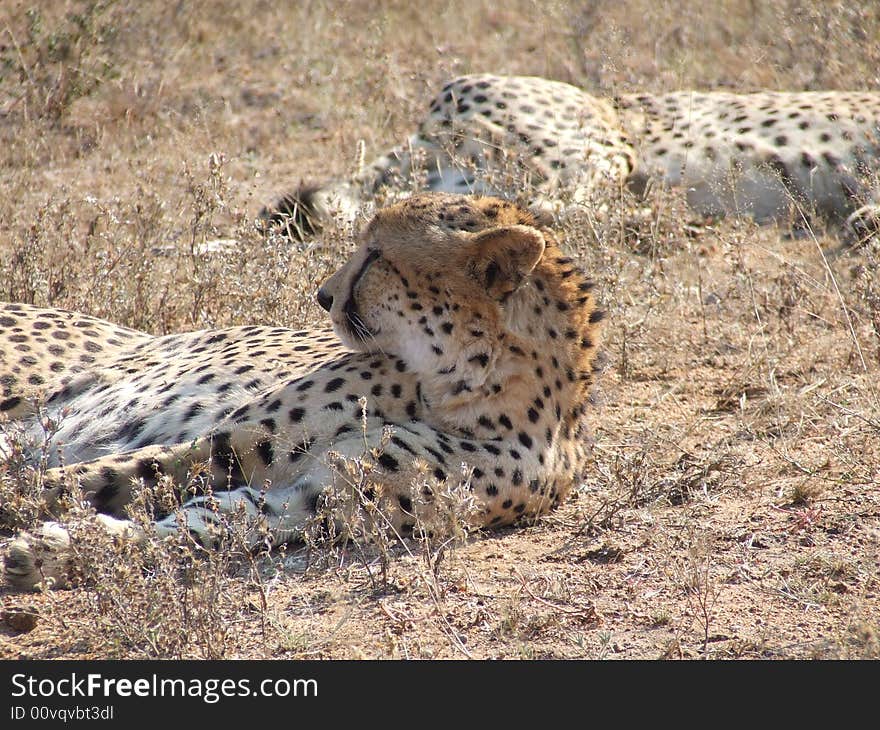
<point>491,274</point>
<point>109,476</point>
<point>388,462</point>
<point>296,414</point>
<point>105,495</point>
<point>147,469</point>
<point>9,403</point>
<point>334,385</point>
<point>264,449</point>
<point>397,441</point>
<point>300,451</point>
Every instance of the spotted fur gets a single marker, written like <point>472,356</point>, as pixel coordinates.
<point>460,321</point>
<point>765,154</point>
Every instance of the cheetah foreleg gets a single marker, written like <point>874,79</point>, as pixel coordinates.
<point>258,517</point>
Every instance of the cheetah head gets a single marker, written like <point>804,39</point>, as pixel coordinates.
<point>431,274</point>
<point>472,296</point>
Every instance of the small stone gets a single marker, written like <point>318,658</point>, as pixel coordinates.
<point>20,619</point>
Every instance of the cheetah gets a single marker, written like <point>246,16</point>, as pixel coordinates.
<point>461,334</point>
<point>765,154</point>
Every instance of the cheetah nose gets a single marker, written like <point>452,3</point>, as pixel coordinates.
<point>324,299</point>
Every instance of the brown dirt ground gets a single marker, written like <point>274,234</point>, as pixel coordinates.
<point>734,507</point>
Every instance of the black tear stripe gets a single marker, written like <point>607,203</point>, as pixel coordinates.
<point>350,308</point>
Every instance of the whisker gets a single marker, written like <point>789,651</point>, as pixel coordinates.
<point>362,331</point>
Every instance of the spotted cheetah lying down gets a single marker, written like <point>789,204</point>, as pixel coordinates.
<point>458,319</point>
<point>767,154</point>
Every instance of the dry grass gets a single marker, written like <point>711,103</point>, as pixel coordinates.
<point>734,506</point>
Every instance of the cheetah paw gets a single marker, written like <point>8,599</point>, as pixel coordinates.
<point>38,557</point>
<point>44,557</point>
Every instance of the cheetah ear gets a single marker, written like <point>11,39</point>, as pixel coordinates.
<point>501,258</point>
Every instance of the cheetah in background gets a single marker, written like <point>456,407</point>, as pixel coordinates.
<point>766,154</point>
<point>459,320</point>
